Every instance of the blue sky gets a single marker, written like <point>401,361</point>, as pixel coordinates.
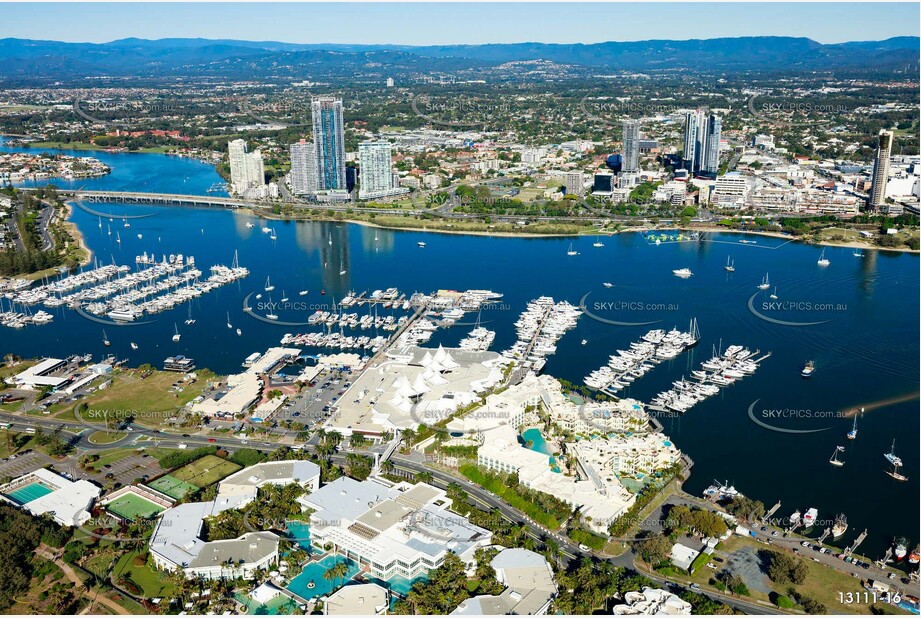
<point>470,23</point>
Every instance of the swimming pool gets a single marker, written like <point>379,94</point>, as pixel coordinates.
<point>313,573</point>
<point>30,492</point>
<point>299,532</point>
<point>539,444</point>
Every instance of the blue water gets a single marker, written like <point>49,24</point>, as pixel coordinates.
<point>865,352</point>
<point>314,571</point>
<point>149,173</point>
<point>299,532</point>
<point>30,492</point>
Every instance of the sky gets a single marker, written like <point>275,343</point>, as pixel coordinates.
<point>466,23</point>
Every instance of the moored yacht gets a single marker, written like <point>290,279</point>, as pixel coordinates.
<point>682,272</point>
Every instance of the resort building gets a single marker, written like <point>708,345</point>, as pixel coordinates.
<point>529,587</point>
<point>652,602</point>
<point>44,492</point>
<point>176,542</point>
<point>405,530</point>
<point>634,455</point>
<point>357,600</point>
<point>414,386</point>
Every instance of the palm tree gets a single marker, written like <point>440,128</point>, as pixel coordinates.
<point>337,572</point>
<point>387,467</point>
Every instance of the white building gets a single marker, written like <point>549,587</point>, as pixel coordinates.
<point>247,171</point>
<point>652,602</point>
<point>176,542</point>
<point>68,502</point>
<point>574,182</point>
<point>375,173</point>
<point>357,600</point>
<point>533,156</point>
<point>404,530</point>
<point>530,587</point>
<point>303,177</point>
<point>731,190</point>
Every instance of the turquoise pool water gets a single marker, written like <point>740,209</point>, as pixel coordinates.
<point>299,532</point>
<point>30,492</point>
<point>314,571</point>
<point>539,444</point>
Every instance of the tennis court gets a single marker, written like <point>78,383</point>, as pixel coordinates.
<point>205,471</point>
<point>171,486</point>
<point>132,507</point>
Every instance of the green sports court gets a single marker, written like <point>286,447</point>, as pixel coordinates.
<point>132,507</point>
<point>172,486</point>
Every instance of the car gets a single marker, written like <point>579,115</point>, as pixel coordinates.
<point>774,533</point>
<point>848,559</point>
<point>816,560</point>
<point>185,435</point>
<point>892,576</point>
<point>763,528</point>
<point>805,543</point>
<point>584,547</point>
<point>822,550</point>
<point>211,440</point>
<point>244,442</point>
<point>695,587</point>
<point>710,565</point>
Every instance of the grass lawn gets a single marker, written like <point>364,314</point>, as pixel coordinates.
<point>150,400</point>
<point>206,471</point>
<point>106,437</point>
<point>151,581</point>
<point>6,371</point>
<point>15,443</point>
<point>100,562</point>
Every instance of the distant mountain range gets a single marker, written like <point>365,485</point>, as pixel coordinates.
<point>25,58</point>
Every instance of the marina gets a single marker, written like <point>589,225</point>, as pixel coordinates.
<point>539,328</point>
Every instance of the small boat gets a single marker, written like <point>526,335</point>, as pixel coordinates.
<point>858,253</point>
<point>268,285</point>
<point>682,272</point>
<point>808,370</point>
<point>134,346</point>
<point>597,243</point>
<point>584,341</point>
<point>823,261</point>
<point>795,518</point>
<point>810,517</point>
<point>176,336</point>
<point>110,230</point>
<point>189,321</point>
<point>852,434</point>
<point>774,294</point>
<point>571,251</point>
<point>273,235</point>
<point>765,282</point>
<point>901,548</point>
<point>105,339</point>
<point>322,292</point>
<point>249,224</point>
<point>834,458</point>
<point>894,473</point>
<point>729,267</point>
<point>100,222</point>
<point>266,230</point>
<point>840,526</point>
<point>891,456</point>
<point>420,244</point>
<point>140,236</point>
<point>284,298</point>
<point>914,556</point>
<point>270,315</point>
<point>302,293</point>
<point>608,285</point>
<point>118,238</point>
<point>258,296</point>
<point>239,332</point>
<point>342,272</point>
<point>126,223</point>
<point>229,325</point>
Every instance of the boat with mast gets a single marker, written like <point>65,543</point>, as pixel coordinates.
<point>190,320</point>
<point>270,315</point>
<point>823,261</point>
<point>894,473</point>
<point>268,285</point>
<point>597,242</point>
<point>834,457</point>
<point>765,282</point>
<point>808,370</point>
<point>730,265</point>
<point>176,335</point>
<point>273,235</point>
<point>852,434</point>
<point>571,251</point>
<point>774,294</point>
<point>229,325</point>
<point>284,297</point>
<point>840,526</point>
<point>105,339</point>
<point>891,456</point>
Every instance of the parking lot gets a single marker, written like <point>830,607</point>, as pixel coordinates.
<point>127,469</point>
<point>23,463</point>
<point>314,405</point>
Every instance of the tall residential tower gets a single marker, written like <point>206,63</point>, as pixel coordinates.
<point>329,143</point>
<point>631,163</point>
<point>880,171</point>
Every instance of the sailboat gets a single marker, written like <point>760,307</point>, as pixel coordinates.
<point>834,458</point>
<point>127,225</point>
<point>118,238</point>
<point>597,243</point>
<point>229,325</point>
<point>894,473</point>
<point>110,229</point>
<point>729,267</point>
<point>571,250</point>
<point>268,285</point>
<point>852,434</point>
<point>774,294</point>
<point>273,235</point>
<point>284,298</point>
<point>823,261</point>
<point>270,315</point>
<point>858,253</point>
<point>765,282</point>
<point>190,320</point>
<point>302,293</point>
<point>891,456</point>
<point>105,339</point>
<point>176,336</point>
<point>134,346</point>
